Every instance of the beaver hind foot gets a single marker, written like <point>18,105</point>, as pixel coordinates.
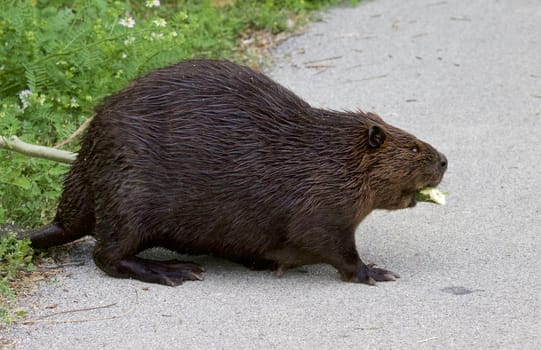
<point>170,272</point>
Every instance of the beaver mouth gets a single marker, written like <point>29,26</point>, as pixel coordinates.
<point>412,196</point>
<point>429,184</point>
<point>429,181</point>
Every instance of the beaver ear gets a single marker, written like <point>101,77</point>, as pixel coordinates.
<point>376,136</point>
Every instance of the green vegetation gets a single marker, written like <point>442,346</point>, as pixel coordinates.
<point>59,58</point>
<point>15,259</point>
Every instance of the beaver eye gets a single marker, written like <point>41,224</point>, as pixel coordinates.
<point>415,149</point>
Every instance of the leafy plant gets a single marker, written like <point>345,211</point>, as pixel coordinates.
<point>59,58</point>
<point>15,258</point>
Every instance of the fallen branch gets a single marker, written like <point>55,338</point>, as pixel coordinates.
<point>44,319</point>
<point>13,143</point>
<point>79,130</point>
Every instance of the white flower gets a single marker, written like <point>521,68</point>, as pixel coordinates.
<point>41,99</point>
<point>156,36</point>
<point>152,3</point>
<point>160,22</point>
<point>24,96</point>
<point>128,21</point>
<point>129,41</point>
<point>123,55</point>
<point>73,102</point>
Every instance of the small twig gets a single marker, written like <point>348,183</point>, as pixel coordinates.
<point>59,266</point>
<point>42,319</point>
<point>323,60</point>
<point>72,311</point>
<point>426,340</point>
<point>320,71</point>
<point>370,328</point>
<point>318,66</point>
<point>419,35</point>
<point>463,18</point>
<point>355,66</point>
<point>368,78</point>
<point>79,130</point>
<point>357,36</point>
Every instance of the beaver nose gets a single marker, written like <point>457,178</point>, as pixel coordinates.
<point>443,161</point>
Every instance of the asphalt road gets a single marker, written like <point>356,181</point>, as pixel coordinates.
<point>462,75</point>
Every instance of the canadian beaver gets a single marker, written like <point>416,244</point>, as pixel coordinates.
<point>209,157</point>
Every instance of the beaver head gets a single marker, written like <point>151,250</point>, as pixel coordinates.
<point>399,165</point>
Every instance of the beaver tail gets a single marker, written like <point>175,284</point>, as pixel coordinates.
<point>74,216</point>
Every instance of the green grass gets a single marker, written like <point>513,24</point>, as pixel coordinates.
<point>15,259</point>
<point>59,58</point>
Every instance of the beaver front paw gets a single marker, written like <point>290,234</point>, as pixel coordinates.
<point>370,274</point>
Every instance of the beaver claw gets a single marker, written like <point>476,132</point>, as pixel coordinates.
<point>175,272</point>
<point>170,272</point>
<point>370,274</point>
<point>377,274</point>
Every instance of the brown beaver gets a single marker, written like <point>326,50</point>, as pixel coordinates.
<point>209,157</point>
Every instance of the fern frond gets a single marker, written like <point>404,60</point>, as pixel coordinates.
<point>22,15</point>
<point>36,76</point>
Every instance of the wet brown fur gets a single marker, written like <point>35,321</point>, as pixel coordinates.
<point>208,157</point>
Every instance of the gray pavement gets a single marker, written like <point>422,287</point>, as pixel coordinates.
<point>462,75</point>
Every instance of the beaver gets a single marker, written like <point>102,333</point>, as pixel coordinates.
<point>210,157</point>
